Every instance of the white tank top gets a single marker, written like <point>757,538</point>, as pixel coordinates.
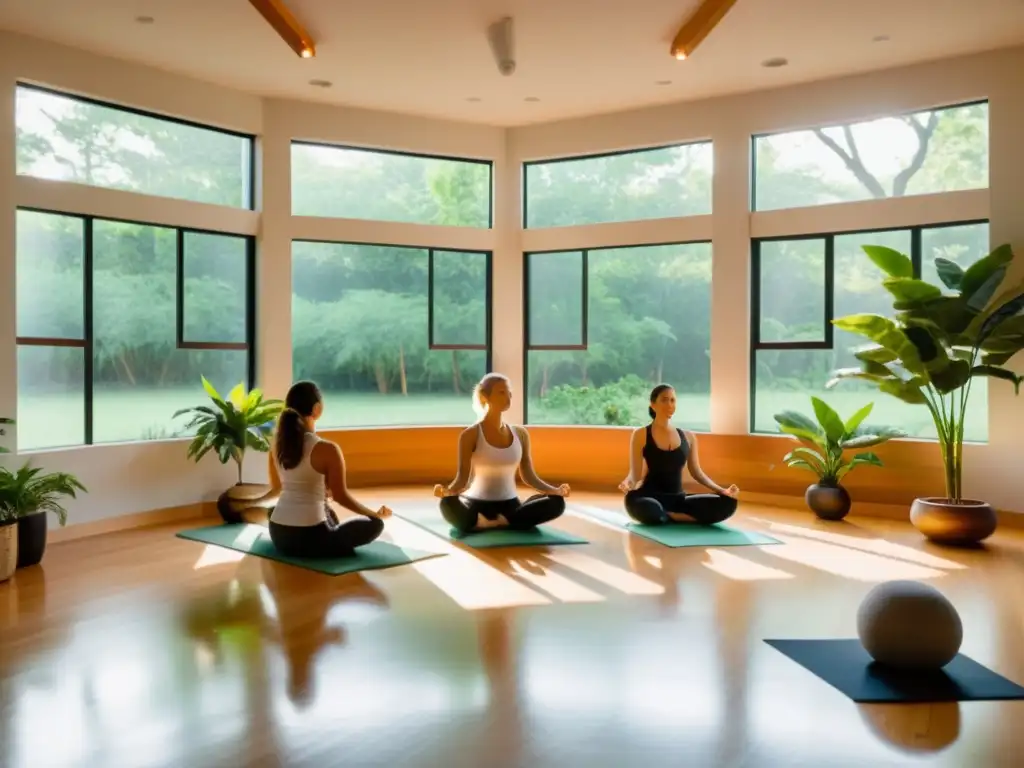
<point>494,469</point>
<point>303,497</point>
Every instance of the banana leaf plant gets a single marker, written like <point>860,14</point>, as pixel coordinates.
<point>3,432</point>
<point>937,342</point>
<point>231,425</point>
<point>827,438</point>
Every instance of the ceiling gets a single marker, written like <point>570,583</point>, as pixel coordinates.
<point>574,57</point>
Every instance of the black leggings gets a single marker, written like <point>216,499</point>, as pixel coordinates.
<point>462,512</point>
<point>649,508</point>
<point>328,539</point>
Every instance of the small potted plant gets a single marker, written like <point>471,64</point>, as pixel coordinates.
<point>26,495</point>
<point>228,427</point>
<point>928,354</point>
<point>826,440</point>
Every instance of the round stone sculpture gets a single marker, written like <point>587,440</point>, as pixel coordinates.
<point>909,625</point>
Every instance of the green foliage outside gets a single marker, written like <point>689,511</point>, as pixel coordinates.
<point>3,432</point>
<point>827,437</point>
<point>360,311</point>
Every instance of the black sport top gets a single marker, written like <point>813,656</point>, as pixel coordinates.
<point>665,468</point>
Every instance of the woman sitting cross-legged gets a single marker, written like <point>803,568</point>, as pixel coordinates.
<point>657,497</point>
<point>491,452</point>
<point>307,469</point>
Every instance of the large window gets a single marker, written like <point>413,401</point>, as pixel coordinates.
<point>72,139</point>
<point>117,322</point>
<point>942,150</point>
<point>392,335</point>
<point>801,284</point>
<point>631,186</point>
<point>343,182</point>
<point>603,326</point>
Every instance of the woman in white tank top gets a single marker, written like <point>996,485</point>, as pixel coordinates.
<point>490,454</point>
<point>303,468</point>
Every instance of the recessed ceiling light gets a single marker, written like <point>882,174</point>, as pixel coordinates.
<point>663,82</point>
<point>472,98</point>
<point>531,98</point>
<point>321,83</point>
<point>775,62</point>
<point>144,19</point>
<point>879,38</point>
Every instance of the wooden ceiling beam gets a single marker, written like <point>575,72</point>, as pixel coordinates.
<point>286,26</point>
<point>700,24</point>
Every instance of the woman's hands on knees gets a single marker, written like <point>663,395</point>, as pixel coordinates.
<point>383,513</point>
<point>443,491</point>
<point>628,485</point>
<point>732,491</point>
<point>562,490</point>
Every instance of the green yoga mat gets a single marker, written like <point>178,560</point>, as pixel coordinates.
<point>680,534</point>
<point>255,540</point>
<point>541,536</point>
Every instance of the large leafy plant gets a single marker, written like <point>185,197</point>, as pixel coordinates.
<point>827,438</point>
<point>936,343</point>
<point>231,425</point>
<point>27,491</point>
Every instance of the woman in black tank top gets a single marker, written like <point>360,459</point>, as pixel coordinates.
<point>657,497</point>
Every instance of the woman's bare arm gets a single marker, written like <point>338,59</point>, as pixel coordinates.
<point>636,461</point>
<point>327,459</point>
<point>467,444</point>
<point>693,464</point>
<point>526,470</point>
<point>275,477</point>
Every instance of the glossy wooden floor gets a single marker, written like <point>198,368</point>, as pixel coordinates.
<point>142,650</point>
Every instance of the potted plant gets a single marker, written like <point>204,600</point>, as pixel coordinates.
<point>26,495</point>
<point>826,440</point>
<point>929,352</point>
<point>228,427</point>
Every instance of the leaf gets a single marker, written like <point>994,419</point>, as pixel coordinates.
<point>859,459</point>
<point>875,353</point>
<point>909,290</point>
<point>809,454</point>
<point>995,372</point>
<point>213,393</point>
<point>237,396</point>
<point>829,420</point>
<point>871,438</point>
<point>907,391</point>
<point>886,333</point>
<point>952,377</point>
<point>996,358</point>
<point>892,262</point>
<point>855,421</point>
<point>950,273</point>
<point>980,274</point>
<point>801,464</point>
<point>797,420</point>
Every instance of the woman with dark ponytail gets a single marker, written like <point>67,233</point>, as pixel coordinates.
<point>305,468</point>
<point>657,497</point>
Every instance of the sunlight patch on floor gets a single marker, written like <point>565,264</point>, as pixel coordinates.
<point>554,584</point>
<point>624,581</point>
<point>846,562</point>
<point>216,555</point>
<point>740,569</point>
<point>877,546</point>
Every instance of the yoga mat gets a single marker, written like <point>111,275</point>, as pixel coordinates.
<point>680,534</point>
<point>846,666</point>
<point>255,540</point>
<point>541,536</point>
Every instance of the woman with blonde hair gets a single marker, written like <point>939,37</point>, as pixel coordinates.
<point>483,494</point>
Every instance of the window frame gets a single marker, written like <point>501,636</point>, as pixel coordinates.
<point>822,126</point>
<point>396,153</point>
<point>757,345</point>
<point>87,342</point>
<point>597,156</point>
<point>586,302</point>
<point>488,345</point>
<point>249,178</point>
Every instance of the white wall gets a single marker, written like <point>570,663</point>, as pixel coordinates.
<point>135,477</point>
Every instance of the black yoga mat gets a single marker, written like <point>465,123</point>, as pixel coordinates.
<point>845,665</point>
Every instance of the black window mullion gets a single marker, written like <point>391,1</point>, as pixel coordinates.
<point>250,309</point>
<point>87,323</point>
<point>830,294</point>
<point>430,298</point>
<point>915,251</point>
<point>179,288</point>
